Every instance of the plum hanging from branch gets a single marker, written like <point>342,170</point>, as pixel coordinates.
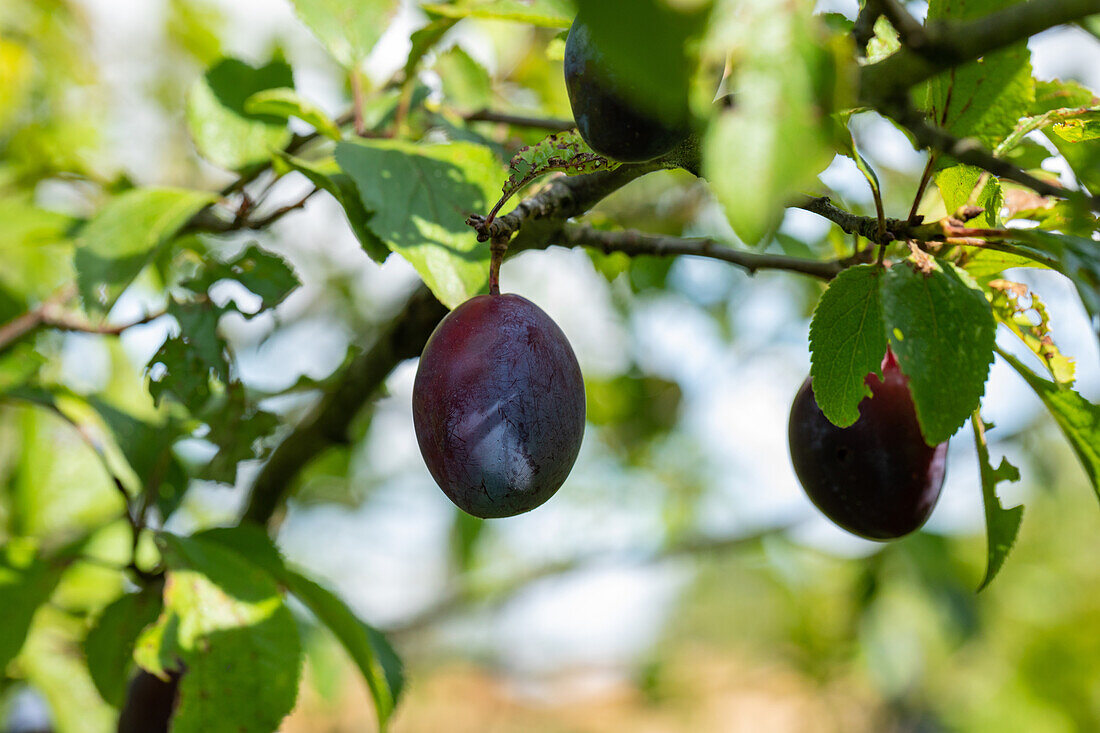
<point>876,478</point>
<point>498,406</point>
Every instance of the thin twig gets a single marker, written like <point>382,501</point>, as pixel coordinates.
<point>925,179</point>
<point>635,243</point>
<point>542,123</point>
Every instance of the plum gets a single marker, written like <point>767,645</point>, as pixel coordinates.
<point>876,478</point>
<point>605,106</point>
<point>498,406</point>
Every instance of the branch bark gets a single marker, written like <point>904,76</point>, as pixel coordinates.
<point>950,44</point>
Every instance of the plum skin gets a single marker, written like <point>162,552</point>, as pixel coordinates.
<point>876,478</point>
<point>498,406</point>
<point>606,118</point>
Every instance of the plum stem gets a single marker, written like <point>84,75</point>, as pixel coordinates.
<point>498,247</point>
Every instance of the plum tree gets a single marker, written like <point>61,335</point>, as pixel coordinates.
<point>876,478</point>
<point>605,106</point>
<point>498,406</point>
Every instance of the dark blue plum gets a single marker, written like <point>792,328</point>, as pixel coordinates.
<point>498,406</point>
<point>605,106</point>
<point>150,702</point>
<point>876,478</point>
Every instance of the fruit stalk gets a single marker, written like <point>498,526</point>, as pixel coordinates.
<point>498,247</point>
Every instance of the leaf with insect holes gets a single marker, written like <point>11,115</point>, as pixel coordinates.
<point>562,151</point>
<point>1013,305</point>
<point>1079,127</point>
<point>1078,258</point>
<point>1001,525</point>
<point>942,330</point>
<point>1078,418</point>
<point>847,342</point>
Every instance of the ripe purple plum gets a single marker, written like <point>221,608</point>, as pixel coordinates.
<point>876,478</point>
<point>498,406</point>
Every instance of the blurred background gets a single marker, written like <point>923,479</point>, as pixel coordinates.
<point>680,580</point>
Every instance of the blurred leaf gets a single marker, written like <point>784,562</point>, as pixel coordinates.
<point>347,28</point>
<point>466,83</point>
<point>1078,418</point>
<point>109,646</point>
<point>421,196</point>
<point>126,235</point>
<point>191,357</point>
<point>772,144</point>
<point>1006,299</point>
<point>237,427</point>
<point>327,175</point>
<point>378,663</point>
<point>16,78</point>
<point>984,98</point>
<point>847,342</point>
<point>148,450</point>
<point>466,532</point>
<point>1002,525</point>
<point>224,131</point>
<point>957,184</point>
<point>983,264</point>
<point>52,664</point>
<point>27,579</point>
<point>194,27</point>
<point>265,274</point>
<point>942,330</point>
<point>34,247</point>
<point>1084,156</point>
<point>285,102</point>
<point>632,410</point>
<point>234,634</point>
<point>546,13</point>
<point>656,81</point>
<point>885,41</point>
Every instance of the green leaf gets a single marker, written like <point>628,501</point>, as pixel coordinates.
<point>545,13</point>
<point>347,28</point>
<point>27,580</point>
<point>1077,258</point>
<point>885,41</point>
<point>1001,525</point>
<point>421,196</point>
<point>984,263</point>
<point>378,663</point>
<point>224,131</point>
<point>942,330</point>
<point>284,103</point>
<point>1078,418</point>
<point>466,83</point>
<point>779,136</point>
<point>1013,305</point>
<point>238,641</point>
<point>109,646</point>
<point>126,235</point>
<point>957,184</point>
<point>327,175</point>
<point>34,247</point>
<point>1084,156</point>
<point>265,274</point>
<point>847,342</point>
<point>984,98</point>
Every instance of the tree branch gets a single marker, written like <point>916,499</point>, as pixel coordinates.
<point>951,44</point>
<point>634,243</point>
<point>970,151</point>
<point>469,592</point>
<point>865,226</point>
<point>542,123</point>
